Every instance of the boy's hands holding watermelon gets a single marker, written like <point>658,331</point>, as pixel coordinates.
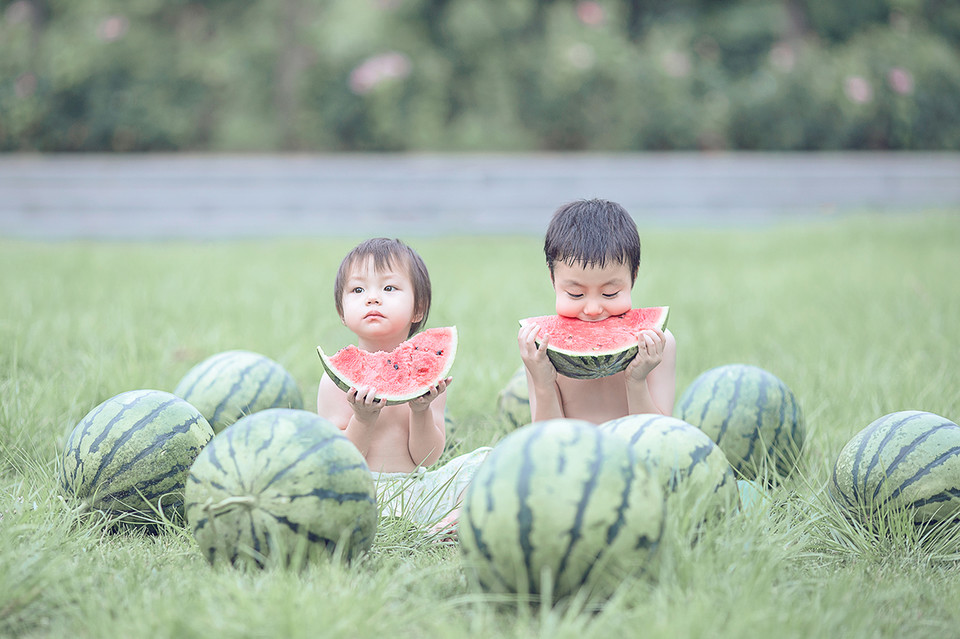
<point>650,347</point>
<point>538,365</point>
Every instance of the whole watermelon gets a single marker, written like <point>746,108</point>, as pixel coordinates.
<point>693,471</point>
<point>229,385</point>
<point>558,506</point>
<point>905,460</point>
<point>129,456</point>
<point>752,416</point>
<point>281,486</point>
<point>513,402</point>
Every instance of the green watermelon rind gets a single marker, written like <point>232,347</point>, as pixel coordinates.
<point>392,399</point>
<point>278,486</point>
<point>693,471</point>
<point>597,364</point>
<point>751,414</point>
<point>907,460</point>
<point>129,457</point>
<point>232,384</point>
<point>560,498</point>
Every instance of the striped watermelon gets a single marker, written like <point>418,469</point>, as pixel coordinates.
<point>693,471</point>
<point>229,385</point>
<point>751,415</point>
<point>129,456</point>
<point>906,460</point>
<point>513,402</point>
<point>405,373</point>
<point>281,486</point>
<point>589,350</point>
<point>556,506</point>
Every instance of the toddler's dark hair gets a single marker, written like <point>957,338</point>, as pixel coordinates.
<point>389,253</point>
<point>592,233</point>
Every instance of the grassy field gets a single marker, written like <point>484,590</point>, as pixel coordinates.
<point>859,316</point>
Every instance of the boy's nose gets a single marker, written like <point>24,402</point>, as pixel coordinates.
<point>373,298</point>
<point>592,309</point>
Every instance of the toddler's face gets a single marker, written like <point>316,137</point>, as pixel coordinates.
<point>592,293</point>
<point>378,304</point>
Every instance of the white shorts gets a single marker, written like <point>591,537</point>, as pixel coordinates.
<point>427,496</point>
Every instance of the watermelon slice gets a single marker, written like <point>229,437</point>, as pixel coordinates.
<point>405,373</point>
<point>590,350</point>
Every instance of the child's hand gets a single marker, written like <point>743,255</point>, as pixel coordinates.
<point>366,407</point>
<point>422,403</point>
<point>535,359</point>
<point>649,354</point>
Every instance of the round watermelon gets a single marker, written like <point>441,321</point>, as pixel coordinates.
<point>405,373</point>
<point>908,460</point>
<point>558,506</point>
<point>590,350</point>
<point>752,416</point>
<point>281,486</point>
<point>129,456</point>
<point>513,402</point>
<point>229,385</point>
<point>693,471</point>
<point>752,495</point>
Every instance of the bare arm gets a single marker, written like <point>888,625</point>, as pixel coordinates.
<point>545,400</point>
<point>427,428</point>
<point>354,412</point>
<point>651,376</point>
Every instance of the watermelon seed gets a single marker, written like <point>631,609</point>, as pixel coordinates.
<point>395,366</point>
<point>440,352</point>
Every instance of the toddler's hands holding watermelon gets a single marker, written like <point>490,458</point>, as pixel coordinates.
<point>649,354</point>
<point>422,403</point>
<point>535,358</point>
<point>366,407</point>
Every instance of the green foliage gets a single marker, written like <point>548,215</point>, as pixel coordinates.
<point>509,75</point>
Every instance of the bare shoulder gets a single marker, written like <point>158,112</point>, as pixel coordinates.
<point>332,403</point>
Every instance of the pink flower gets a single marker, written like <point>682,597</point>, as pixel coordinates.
<point>375,70</point>
<point>113,28</point>
<point>19,12</point>
<point>858,89</point>
<point>590,13</point>
<point>676,64</point>
<point>900,80</point>
<point>25,85</point>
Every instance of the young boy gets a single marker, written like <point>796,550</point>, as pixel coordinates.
<point>593,253</point>
<point>382,293</point>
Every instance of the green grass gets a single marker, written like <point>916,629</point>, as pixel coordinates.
<point>859,316</point>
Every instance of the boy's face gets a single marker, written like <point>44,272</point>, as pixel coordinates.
<point>378,305</point>
<point>592,293</point>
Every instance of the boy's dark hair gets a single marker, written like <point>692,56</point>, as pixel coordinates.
<point>592,233</point>
<point>388,253</point>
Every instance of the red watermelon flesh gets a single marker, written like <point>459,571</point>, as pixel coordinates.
<point>405,373</point>
<point>588,350</point>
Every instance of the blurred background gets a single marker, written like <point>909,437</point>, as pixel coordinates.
<point>263,76</point>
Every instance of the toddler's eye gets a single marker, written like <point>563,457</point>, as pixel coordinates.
<point>575,296</point>
<point>357,289</point>
<point>389,287</point>
<point>610,296</point>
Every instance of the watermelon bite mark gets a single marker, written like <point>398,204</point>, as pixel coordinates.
<point>405,373</point>
<point>590,350</point>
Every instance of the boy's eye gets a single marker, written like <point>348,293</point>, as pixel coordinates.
<point>357,289</point>
<point>575,296</point>
<point>610,296</point>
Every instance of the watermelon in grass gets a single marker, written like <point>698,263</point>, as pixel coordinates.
<point>589,350</point>
<point>130,455</point>
<point>908,460</point>
<point>280,487</point>
<point>405,373</point>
